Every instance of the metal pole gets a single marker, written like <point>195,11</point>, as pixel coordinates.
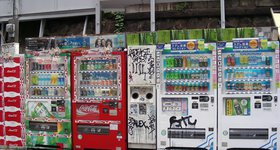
<point>85,26</point>
<point>42,27</point>
<point>152,15</point>
<point>16,22</point>
<point>2,35</point>
<point>223,19</point>
<point>97,17</point>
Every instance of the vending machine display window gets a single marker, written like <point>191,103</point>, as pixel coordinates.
<point>185,74</point>
<point>246,72</point>
<point>47,78</point>
<point>98,79</point>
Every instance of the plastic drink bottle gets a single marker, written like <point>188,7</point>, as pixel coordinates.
<point>205,61</point>
<point>228,60</point>
<point>267,61</point>
<point>189,62</point>
<point>201,63</point>
<point>184,62</point>
<point>205,74</point>
<point>241,60</point>
<point>237,107</point>
<point>246,60</point>
<point>90,64</point>
<point>232,60</point>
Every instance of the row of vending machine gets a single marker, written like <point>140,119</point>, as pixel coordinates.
<point>184,95</point>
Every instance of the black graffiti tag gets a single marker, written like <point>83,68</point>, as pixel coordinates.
<point>133,123</point>
<point>174,122</point>
<point>142,62</point>
<point>152,125</point>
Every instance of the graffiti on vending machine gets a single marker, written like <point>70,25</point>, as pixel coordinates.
<point>177,123</point>
<point>134,123</point>
<point>142,63</point>
<point>152,123</point>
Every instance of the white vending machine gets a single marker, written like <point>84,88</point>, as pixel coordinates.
<point>248,89</point>
<point>186,95</point>
<point>141,97</point>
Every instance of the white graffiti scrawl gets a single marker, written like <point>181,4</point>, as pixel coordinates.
<point>141,64</point>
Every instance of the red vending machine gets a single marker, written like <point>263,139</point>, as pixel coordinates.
<point>12,133</point>
<point>99,100</point>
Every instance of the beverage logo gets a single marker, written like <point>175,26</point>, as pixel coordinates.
<point>12,115</point>
<point>12,100</point>
<point>11,71</point>
<point>190,45</point>
<point>13,130</point>
<point>87,109</point>
<point>11,86</point>
<point>253,44</point>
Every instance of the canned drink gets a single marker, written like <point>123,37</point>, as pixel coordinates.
<point>179,87</point>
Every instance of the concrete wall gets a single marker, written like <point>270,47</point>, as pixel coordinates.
<point>38,9</point>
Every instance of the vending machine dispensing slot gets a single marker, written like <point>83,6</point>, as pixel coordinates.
<point>43,126</point>
<point>47,146</point>
<point>186,133</point>
<point>235,133</point>
<point>247,149</point>
<point>93,129</point>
